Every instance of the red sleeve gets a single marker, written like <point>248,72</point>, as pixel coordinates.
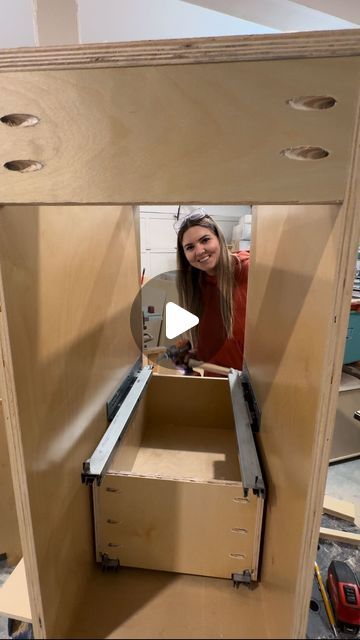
<point>213,345</point>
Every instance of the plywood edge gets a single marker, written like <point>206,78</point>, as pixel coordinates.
<point>16,454</point>
<point>14,595</point>
<point>339,508</point>
<point>199,481</point>
<point>340,536</point>
<point>315,44</point>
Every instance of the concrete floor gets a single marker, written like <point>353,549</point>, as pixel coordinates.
<point>343,482</point>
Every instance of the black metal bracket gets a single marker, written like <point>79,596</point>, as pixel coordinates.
<point>241,578</point>
<point>114,403</point>
<point>249,397</point>
<point>88,478</point>
<point>109,564</point>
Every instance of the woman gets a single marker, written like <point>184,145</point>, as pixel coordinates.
<point>212,284</point>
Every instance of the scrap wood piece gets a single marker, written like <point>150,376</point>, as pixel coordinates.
<point>340,536</point>
<point>14,595</point>
<point>339,508</point>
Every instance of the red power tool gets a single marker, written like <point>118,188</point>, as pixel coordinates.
<point>344,591</point>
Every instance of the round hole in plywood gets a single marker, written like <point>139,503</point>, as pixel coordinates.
<point>305,153</point>
<point>19,120</point>
<point>314,606</point>
<point>312,103</point>
<point>23,166</point>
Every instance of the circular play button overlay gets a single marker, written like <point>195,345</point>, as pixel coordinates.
<point>158,321</point>
<point>159,324</point>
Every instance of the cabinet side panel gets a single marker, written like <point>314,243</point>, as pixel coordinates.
<point>70,275</point>
<point>293,279</point>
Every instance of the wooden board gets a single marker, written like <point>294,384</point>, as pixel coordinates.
<point>203,528</point>
<point>279,46</point>
<point>152,604</point>
<point>69,279</point>
<point>298,370</point>
<point>188,452</point>
<point>14,595</point>
<point>292,318</point>
<point>218,118</point>
<point>336,535</point>
<point>9,528</point>
<point>339,508</point>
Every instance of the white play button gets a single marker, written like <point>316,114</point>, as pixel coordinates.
<point>178,320</point>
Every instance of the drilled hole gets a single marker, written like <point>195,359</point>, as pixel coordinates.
<point>312,103</point>
<point>23,166</point>
<point>305,153</point>
<point>19,120</point>
<point>314,606</point>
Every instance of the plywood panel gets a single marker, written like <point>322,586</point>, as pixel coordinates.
<point>177,401</point>
<point>228,123</point>
<point>69,277</point>
<point>291,315</point>
<point>9,528</point>
<point>82,117</point>
<point>14,596</point>
<point>152,604</point>
<point>279,46</point>
<point>203,528</point>
<point>188,452</point>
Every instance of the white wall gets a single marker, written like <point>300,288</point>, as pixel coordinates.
<point>120,20</point>
<point>17,24</point>
<point>158,233</point>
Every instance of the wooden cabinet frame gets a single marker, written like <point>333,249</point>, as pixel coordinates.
<point>204,120</point>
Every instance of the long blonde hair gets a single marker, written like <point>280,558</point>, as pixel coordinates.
<point>188,278</point>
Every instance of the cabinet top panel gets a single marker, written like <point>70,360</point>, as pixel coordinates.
<point>263,119</point>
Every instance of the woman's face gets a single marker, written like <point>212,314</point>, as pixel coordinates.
<point>202,248</point>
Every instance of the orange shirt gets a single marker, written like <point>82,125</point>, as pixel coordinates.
<point>213,345</point>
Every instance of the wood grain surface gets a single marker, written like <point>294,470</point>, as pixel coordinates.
<point>229,122</point>
<point>105,136</point>
<point>69,279</point>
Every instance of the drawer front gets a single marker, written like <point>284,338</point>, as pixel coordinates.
<point>207,529</point>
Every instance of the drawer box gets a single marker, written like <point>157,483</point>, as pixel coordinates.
<point>172,495</point>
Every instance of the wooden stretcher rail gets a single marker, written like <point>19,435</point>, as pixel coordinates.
<point>317,44</point>
<point>340,536</point>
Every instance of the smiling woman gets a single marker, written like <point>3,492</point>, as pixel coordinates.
<point>212,284</point>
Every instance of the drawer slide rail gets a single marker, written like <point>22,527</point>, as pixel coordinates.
<point>251,474</point>
<point>94,468</point>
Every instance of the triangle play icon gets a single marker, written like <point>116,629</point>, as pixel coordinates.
<point>178,320</point>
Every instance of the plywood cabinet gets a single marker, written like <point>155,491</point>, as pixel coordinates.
<point>71,272</point>
<point>172,497</point>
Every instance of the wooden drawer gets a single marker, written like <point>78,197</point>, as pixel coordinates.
<point>172,496</point>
